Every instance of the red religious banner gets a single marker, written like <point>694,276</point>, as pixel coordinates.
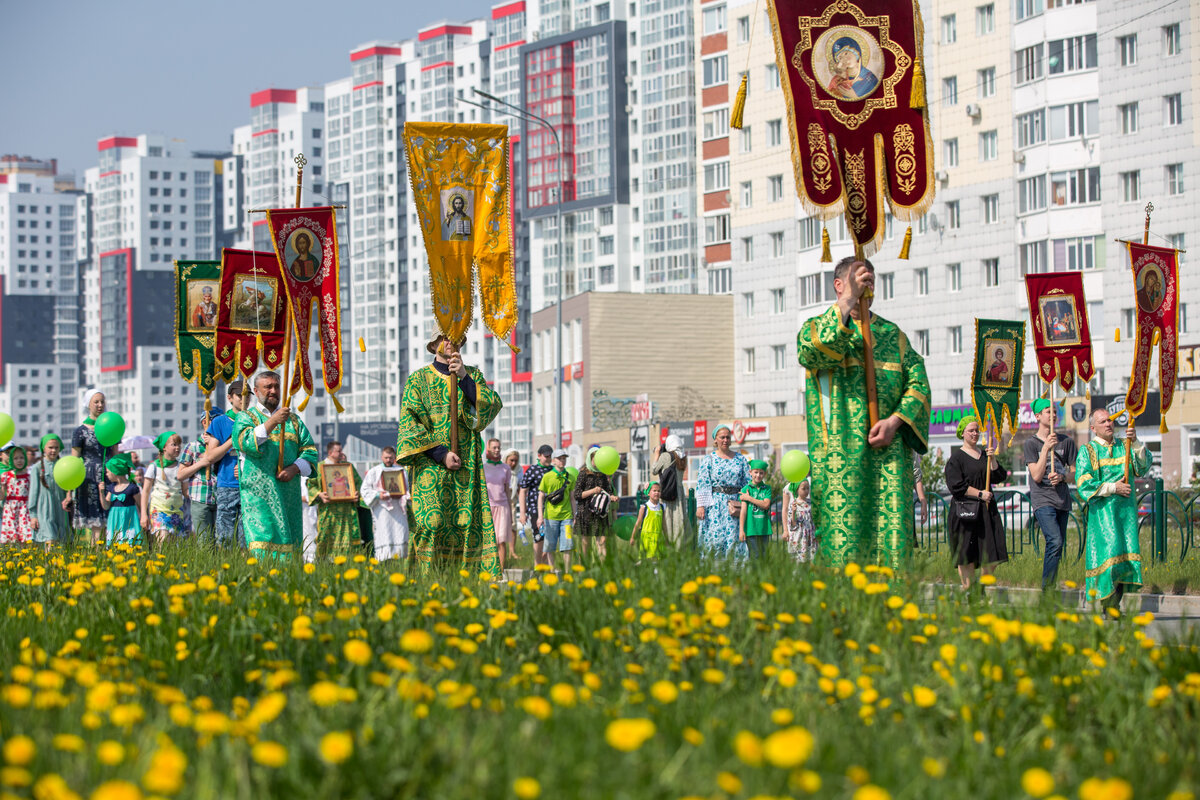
<point>1060,327</point>
<point>251,314</point>
<point>1156,280</point>
<point>305,242</point>
<point>853,77</point>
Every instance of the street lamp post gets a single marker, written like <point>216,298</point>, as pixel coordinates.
<point>562,182</point>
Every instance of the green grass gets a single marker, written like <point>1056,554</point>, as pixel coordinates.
<point>189,659</point>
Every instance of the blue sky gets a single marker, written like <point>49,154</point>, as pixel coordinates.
<point>74,72</point>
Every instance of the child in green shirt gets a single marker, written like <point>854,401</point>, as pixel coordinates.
<point>754,520</point>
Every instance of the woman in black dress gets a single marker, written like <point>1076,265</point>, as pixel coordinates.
<point>591,524</point>
<point>977,542</point>
<point>88,511</point>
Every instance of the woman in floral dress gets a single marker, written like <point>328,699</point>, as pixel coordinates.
<point>14,488</point>
<point>719,482</point>
<point>88,511</point>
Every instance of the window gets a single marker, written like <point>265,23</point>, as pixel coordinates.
<point>949,29</point>
<point>747,194</point>
<point>1127,322</point>
<point>810,290</point>
<point>985,19</point>
<point>1131,186</point>
<point>1127,47</point>
<point>1129,117</point>
<point>607,245</point>
<point>716,70</point>
<point>1173,110</point>
<point>991,272</point>
<point>1077,187</point>
<point>716,176</point>
<point>887,286</point>
<point>922,342</point>
<point>922,281</point>
<point>953,215</point>
<point>716,229</point>
<point>1031,194</point>
<point>1028,8</point>
<point>954,277</point>
<point>989,144</point>
<point>1075,254</point>
<point>745,139</point>
<point>751,409</point>
<point>748,361</point>
<point>986,79</point>
<point>748,248</point>
<point>776,184</point>
<point>1174,178</point>
<point>716,123</point>
<point>774,132</point>
<point>1031,128</point>
<point>955,338</point>
<point>1071,55</point>
<point>777,244</point>
<point>1171,42</point>
<point>780,408</point>
<point>950,91</point>
<point>1074,120</point>
<point>1179,242</point>
<point>714,20</point>
<point>1033,258</point>
<point>1029,64</point>
<point>772,77</point>
<point>991,209</point>
<point>950,152</point>
<point>778,357</point>
<point>778,303</point>
<point>743,30</point>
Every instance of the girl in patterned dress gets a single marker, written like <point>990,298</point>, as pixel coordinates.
<point>119,496</point>
<point>165,508</point>
<point>48,514</point>
<point>14,487</point>
<point>802,542</point>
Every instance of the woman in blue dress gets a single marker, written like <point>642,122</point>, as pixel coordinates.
<point>719,482</point>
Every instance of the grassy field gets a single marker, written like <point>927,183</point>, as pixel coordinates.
<point>188,673</point>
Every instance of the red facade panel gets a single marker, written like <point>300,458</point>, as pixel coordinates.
<point>715,148</point>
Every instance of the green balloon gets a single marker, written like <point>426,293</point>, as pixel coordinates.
<point>69,472</point>
<point>795,466</point>
<point>607,460</point>
<point>623,527</point>
<point>110,427</point>
<point>573,472</point>
<point>6,429</point>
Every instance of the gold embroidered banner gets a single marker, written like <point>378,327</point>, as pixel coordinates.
<point>1156,294</point>
<point>459,176</point>
<point>197,291</point>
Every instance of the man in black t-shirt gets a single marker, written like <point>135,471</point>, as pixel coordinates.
<point>528,488</point>
<point>1051,464</point>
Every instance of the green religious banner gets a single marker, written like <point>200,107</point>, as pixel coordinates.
<point>996,385</point>
<point>197,291</point>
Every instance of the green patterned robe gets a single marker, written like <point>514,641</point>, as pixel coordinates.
<point>338,532</point>
<point>1112,554</point>
<point>451,523</point>
<point>862,497</point>
<point>272,516</point>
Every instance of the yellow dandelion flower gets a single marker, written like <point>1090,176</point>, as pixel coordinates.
<point>68,743</point>
<point>664,691</point>
<point>19,750</point>
<point>628,734</point>
<point>416,641</point>
<point>527,788</point>
<point>871,792</point>
<point>563,694</point>
<point>729,782</point>
<point>748,748</point>
<point>924,697</point>
<point>117,790</point>
<point>110,753</point>
<point>693,737</point>
<point>336,747</point>
<point>357,652</point>
<point>788,748</point>
<point>1037,782</point>
<point>269,754</point>
<point>1111,789</point>
<point>712,676</point>
<point>933,767</point>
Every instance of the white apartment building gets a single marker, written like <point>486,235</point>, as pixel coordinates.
<point>152,202</point>
<point>39,299</point>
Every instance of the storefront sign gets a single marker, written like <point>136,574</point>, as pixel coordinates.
<point>1114,403</point>
<point>943,420</point>
<point>700,434</point>
<point>641,412</point>
<point>1189,361</point>
<point>751,431</point>
<point>639,439</point>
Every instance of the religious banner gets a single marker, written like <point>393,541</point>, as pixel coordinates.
<point>1060,327</point>
<point>853,78</point>
<point>197,288</point>
<point>459,176</point>
<point>1156,284</point>
<point>252,312</point>
<point>305,241</point>
<point>996,385</point>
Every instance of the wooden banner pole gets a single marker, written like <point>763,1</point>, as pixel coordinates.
<point>285,394</point>
<point>1132,418</point>
<point>864,326</point>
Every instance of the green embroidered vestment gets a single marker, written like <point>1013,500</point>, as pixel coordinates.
<point>1112,554</point>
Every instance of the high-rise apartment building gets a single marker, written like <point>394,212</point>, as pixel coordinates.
<point>152,202</point>
<point>39,297</point>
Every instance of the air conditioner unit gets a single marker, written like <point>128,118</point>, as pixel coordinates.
<point>942,175</point>
<point>629,80</point>
<point>973,110</point>
<point>1018,157</point>
<point>628,109</point>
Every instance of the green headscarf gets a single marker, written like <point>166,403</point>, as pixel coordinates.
<point>120,465</point>
<point>50,437</point>
<point>962,425</point>
<point>161,440</point>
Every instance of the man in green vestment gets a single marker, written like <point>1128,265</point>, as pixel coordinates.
<point>862,482</point>
<point>451,524</point>
<point>1113,559</point>
<point>338,531</point>
<point>272,517</point>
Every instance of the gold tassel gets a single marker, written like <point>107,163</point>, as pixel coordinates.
<point>1117,335</point>
<point>1162,425</point>
<point>826,255</point>
<point>739,104</point>
<point>362,346</point>
<point>336,404</point>
<point>907,244</point>
<point>304,403</point>
<point>1088,394</point>
<point>208,404</point>
<point>1157,336</point>
<point>258,344</point>
<point>916,96</point>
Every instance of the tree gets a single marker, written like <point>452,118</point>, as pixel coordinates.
<point>933,471</point>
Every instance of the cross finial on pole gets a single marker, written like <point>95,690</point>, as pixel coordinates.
<point>300,160</point>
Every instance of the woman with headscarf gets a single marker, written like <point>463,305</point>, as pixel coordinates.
<point>88,511</point>
<point>593,496</point>
<point>719,482</point>
<point>976,532</point>
<point>668,470</point>
<point>48,502</point>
